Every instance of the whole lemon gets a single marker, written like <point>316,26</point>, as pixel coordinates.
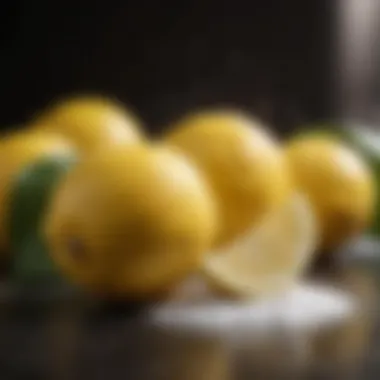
<point>338,183</point>
<point>130,222</point>
<point>16,151</point>
<point>242,162</point>
<point>91,122</point>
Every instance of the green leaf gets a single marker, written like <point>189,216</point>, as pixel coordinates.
<point>30,196</point>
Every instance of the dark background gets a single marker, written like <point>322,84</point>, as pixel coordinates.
<point>165,57</point>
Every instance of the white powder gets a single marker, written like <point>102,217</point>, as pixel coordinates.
<point>304,307</point>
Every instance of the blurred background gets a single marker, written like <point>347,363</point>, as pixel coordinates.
<point>290,62</point>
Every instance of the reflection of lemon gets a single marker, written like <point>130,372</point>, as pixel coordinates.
<point>268,258</point>
<point>243,164</point>
<point>16,151</point>
<point>194,357</point>
<point>338,183</point>
<point>90,122</point>
<point>131,221</point>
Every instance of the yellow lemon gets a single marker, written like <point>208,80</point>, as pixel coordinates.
<point>16,151</point>
<point>131,222</point>
<point>338,183</point>
<point>271,257</point>
<point>242,162</point>
<point>91,122</point>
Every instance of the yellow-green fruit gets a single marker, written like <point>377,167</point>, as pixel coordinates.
<point>91,122</point>
<point>131,222</point>
<point>338,183</point>
<point>16,151</point>
<point>242,162</point>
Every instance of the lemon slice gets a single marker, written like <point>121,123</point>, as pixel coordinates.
<point>269,258</point>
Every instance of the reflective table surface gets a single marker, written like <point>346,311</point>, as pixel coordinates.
<point>327,329</point>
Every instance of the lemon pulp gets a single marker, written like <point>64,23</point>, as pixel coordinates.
<point>268,258</point>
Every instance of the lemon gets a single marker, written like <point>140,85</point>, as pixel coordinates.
<point>90,122</point>
<point>366,141</point>
<point>338,183</point>
<point>17,150</point>
<point>242,162</point>
<point>270,257</point>
<point>130,222</point>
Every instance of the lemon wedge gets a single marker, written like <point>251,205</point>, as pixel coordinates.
<point>269,258</point>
